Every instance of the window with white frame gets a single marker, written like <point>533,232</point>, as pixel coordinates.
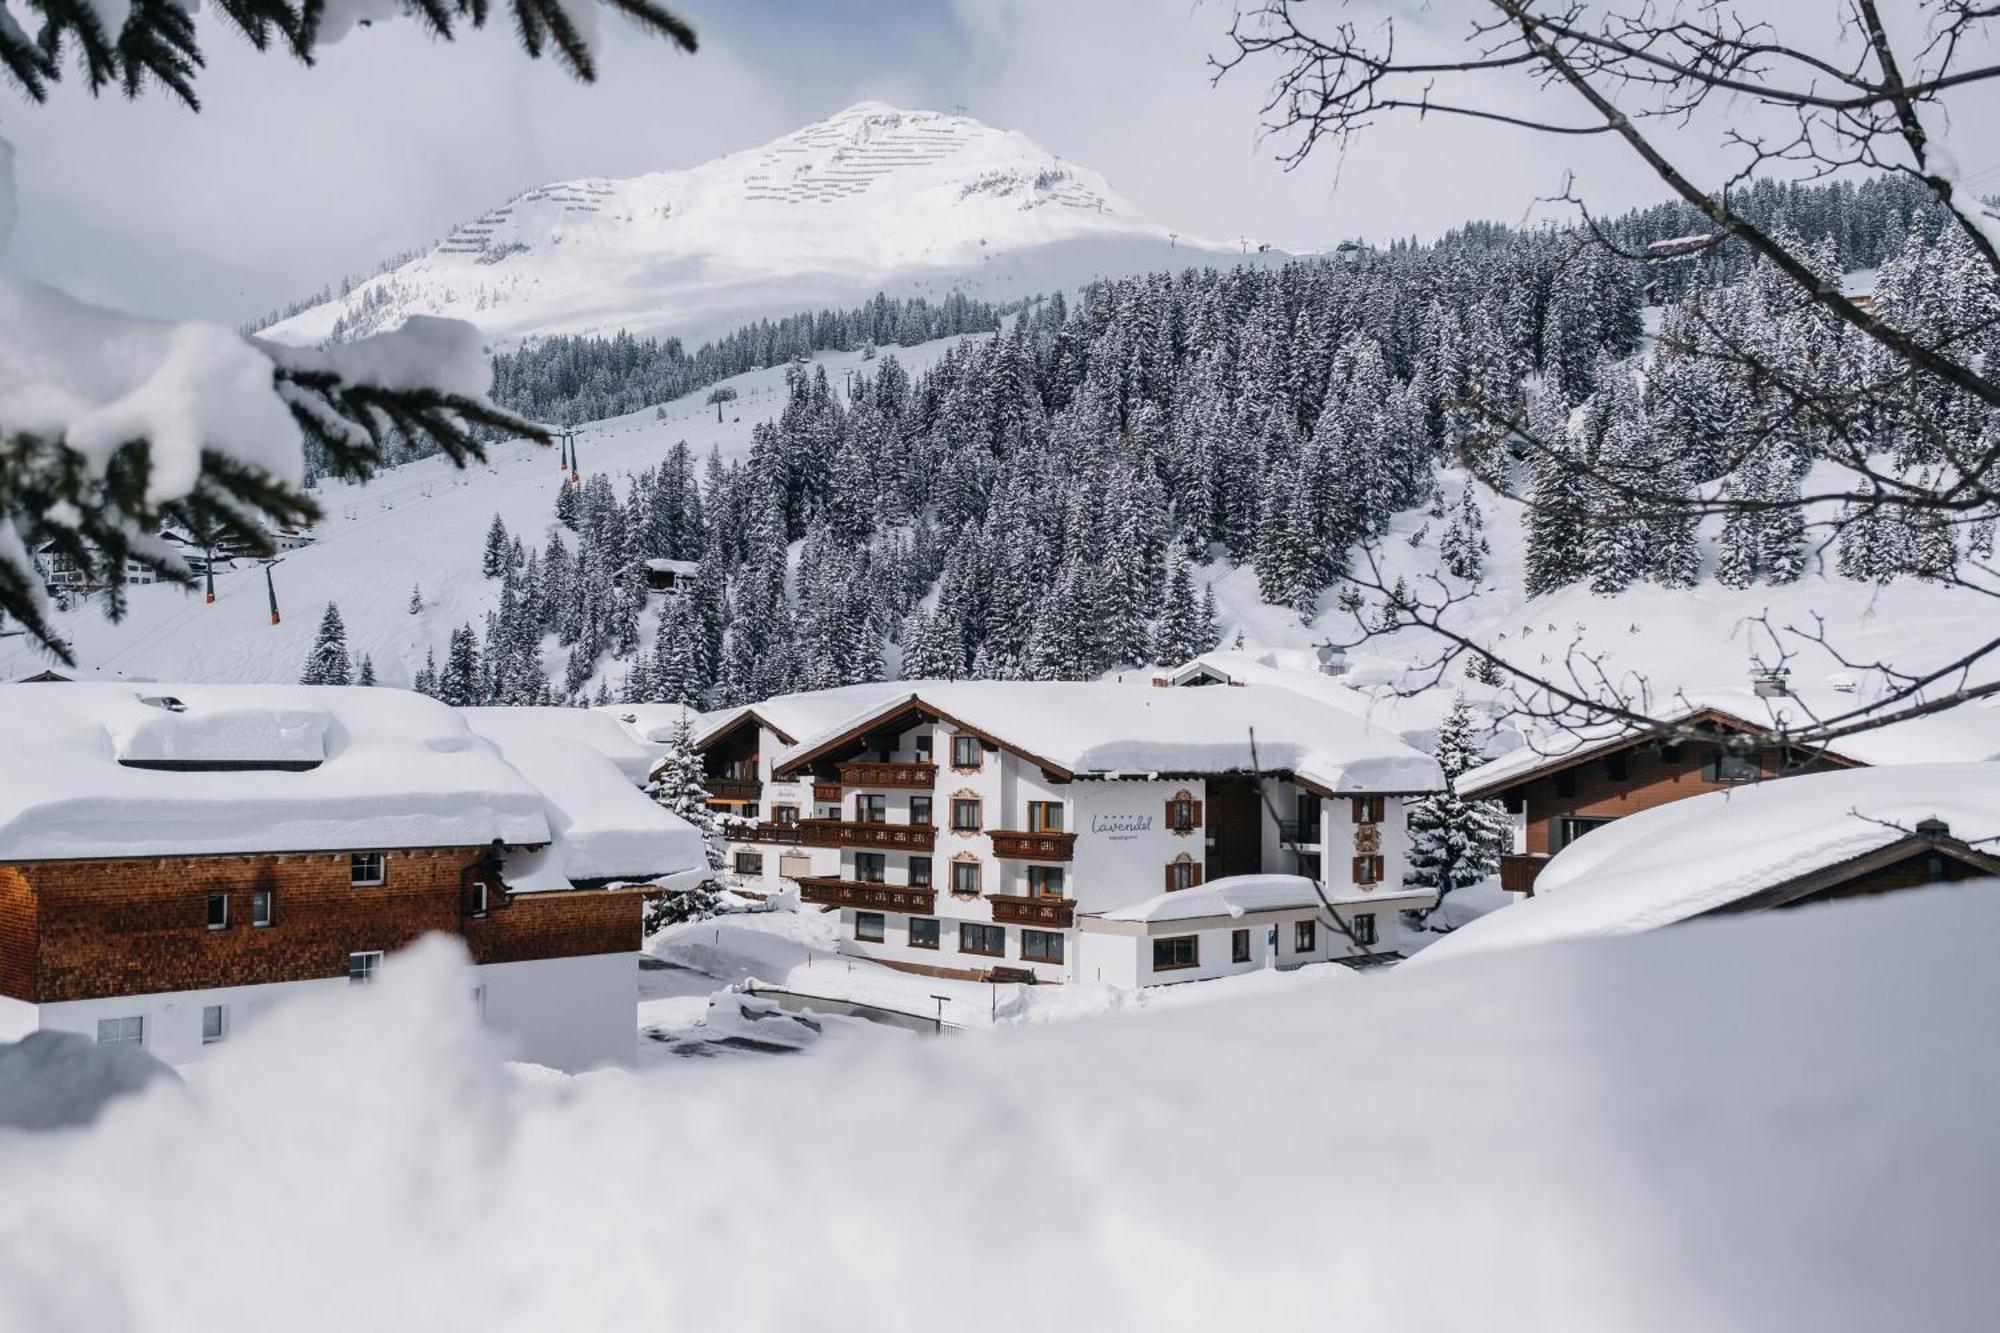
<point>263,907</point>
<point>361,967</point>
<point>214,1023</point>
<point>367,869</point>
<point>122,1031</point>
<point>218,911</point>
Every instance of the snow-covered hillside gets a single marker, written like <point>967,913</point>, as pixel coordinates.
<point>420,524</point>
<point>914,203</point>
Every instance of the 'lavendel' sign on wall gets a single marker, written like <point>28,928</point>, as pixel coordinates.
<point>1121,828</point>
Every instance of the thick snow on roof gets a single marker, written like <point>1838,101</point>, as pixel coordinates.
<point>1126,730</point>
<point>397,770</point>
<point>1415,718</point>
<point>652,725</point>
<point>810,712</point>
<point>1969,732</point>
<point>604,826</point>
<point>599,729</point>
<point>1235,895</point>
<point>1680,860</point>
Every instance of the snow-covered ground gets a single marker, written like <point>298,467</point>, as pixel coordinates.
<point>421,524</point>
<point>914,203</point>
<point>1780,1122</point>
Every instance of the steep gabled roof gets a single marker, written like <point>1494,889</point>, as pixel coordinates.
<point>1104,729</point>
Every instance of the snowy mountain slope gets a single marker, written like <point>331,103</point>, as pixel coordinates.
<point>1650,643</point>
<point>421,524</point>
<point>915,203</point>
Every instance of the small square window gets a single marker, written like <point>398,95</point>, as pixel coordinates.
<point>218,911</point>
<point>965,877</point>
<point>923,932</point>
<point>920,871</point>
<point>263,907</point>
<point>965,752</point>
<point>367,869</point>
<point>1305,936</point>
<point>1045,817</point>
<point>1042,946</point>
<point>989,941</point>
<point>1363,929</point>
<point>1239,946</point>
<point>361,967</point>
<point>1045,881</point>
<point>920,811</point>
<point>749,863</point>
<point>1176,951</point>
<point>1732,766</point>
<point>871,867</point>
<point>965,815</point>
<point>122,1031</point>
<point>868,927</point>
<point>214,1023</point>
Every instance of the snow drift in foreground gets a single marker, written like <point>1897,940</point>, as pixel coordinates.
<point>1790,1121</point>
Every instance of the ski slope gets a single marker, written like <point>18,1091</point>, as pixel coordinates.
<point>914,203</point>
<point>422,523</point>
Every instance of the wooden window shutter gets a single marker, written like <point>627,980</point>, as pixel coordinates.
<point>1170,877</point>
<point>1367,809</point>
<point>1197,819</point>
<point>1194,871</point>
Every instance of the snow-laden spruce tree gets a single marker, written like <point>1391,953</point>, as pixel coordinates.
<point>493,561</point>
<point>328,662</point>
<point>112,427</point>
<point>678,789</point>
<point>1455,843</point>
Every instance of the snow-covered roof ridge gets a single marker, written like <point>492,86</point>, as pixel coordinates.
<point>336,768</point>
<point>1104,729</point>
<point>1239,895</point>
<point>1969,732</point>
<point>1691,857</point>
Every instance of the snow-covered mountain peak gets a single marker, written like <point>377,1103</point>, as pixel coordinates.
<point>874,197</point>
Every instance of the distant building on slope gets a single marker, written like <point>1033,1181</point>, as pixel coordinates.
<point>1050,830</point>
<point>175,859</point>
<point>1557,796</point>
<point>1811,839</point>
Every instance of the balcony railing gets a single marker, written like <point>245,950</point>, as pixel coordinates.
<point>1012,910</point>
<point>829,892</point>
<point>868,833</point>
<point>1518,872</point>
<point>784,835</point>
<point>733,789</point>
<point>920,776</point>
<point>826,793</point>
<point>1014,845</point>
<point>1299,832</point>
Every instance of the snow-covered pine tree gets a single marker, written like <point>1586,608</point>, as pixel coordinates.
<point>426,679</point>
<point>366,676</point>
<point>1180,634</point>
<point>459,683</point>
<point>328,663</point>
<point>1464,548</point>
<point>416,600</point>
<point>1454,842</point>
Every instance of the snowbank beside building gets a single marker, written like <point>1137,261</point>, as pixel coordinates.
<point>1789,1121</point>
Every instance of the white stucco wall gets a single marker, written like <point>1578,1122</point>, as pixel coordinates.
<point>568,1013</point>
<point>1123,844</point>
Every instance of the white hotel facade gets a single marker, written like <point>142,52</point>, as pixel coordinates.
<point>1075,831</point>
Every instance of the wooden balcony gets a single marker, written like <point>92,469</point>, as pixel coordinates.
<point>921,777</point>
<point>1012,845</point>
<point>826,793</point>
<point>1048,913</point>
<point>1518,872</point>
<point>868,833</point>
<point>733,789</point>
<point>783,835</point>
<point>830,892</point>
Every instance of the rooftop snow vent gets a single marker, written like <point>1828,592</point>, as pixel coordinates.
<point>1332,661</point>
<point>1933,828</point>
<point>1770,684</point>
<point>166,701</point>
